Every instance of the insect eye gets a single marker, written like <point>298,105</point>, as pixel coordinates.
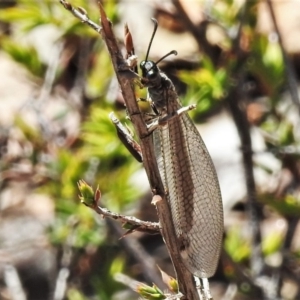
<point>142,64</point>
<point>151,75</point>
<point>148,65</point>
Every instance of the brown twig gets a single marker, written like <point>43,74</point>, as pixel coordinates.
<point>292,223</point>
<point>133,223</point>
<point>240,119</point>
<point>235,99</point>
<point>125,78</point>
<point>81,14</point>
<point>292,84</point>
<point>289,70</point>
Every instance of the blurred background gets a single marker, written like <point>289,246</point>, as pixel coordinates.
<point>239,61</point>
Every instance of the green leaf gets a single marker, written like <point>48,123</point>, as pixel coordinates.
<point>74,294</point>
<point>87,194</point>
<point>117,266</point>
<point>287,205</point>
<point>286,134</point>
<point>150,293</point>
<point>206,86</point>
<point>236,245</point>
<point>272,243</point>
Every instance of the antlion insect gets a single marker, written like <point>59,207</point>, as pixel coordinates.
<point>186,170</point>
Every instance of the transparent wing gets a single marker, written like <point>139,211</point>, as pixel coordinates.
<point>192,185</point>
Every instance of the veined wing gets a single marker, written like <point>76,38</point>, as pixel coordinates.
<point>194,196</point>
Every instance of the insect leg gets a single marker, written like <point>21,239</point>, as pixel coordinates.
<point>160,121</point>
<point>202,286</point>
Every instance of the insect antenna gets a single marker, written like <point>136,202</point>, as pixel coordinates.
<point>170,53</point>
<point>151,40</point>
<point>152,37</point>
<point>149,47</point>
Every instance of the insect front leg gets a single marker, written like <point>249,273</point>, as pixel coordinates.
<point>163,120</point>
<point>126,138</point>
